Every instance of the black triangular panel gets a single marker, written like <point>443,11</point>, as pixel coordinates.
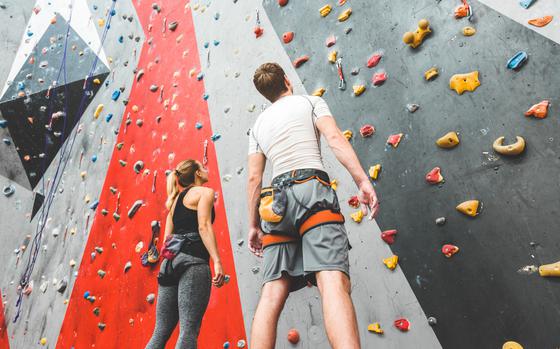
<point>38,200</point>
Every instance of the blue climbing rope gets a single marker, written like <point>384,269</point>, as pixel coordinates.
<point>64,154</point>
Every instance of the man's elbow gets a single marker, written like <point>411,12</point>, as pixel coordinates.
<point>255,179</point>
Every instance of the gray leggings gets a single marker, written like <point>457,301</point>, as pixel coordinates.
<point>185,303</point>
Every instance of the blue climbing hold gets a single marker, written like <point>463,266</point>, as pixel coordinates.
<point>7,141</point>
<point>108,117</point>
<point>113,12</point>
<point>3,123</point>
<point>526,3</point>
<point>21,86</point>
<point>116,95</point>
<point>226,345</point>
<point>517,60</point>
<point>206,44</point>
<point>217,16</point>
<point>200,76</point>
<point>205,96</point>
<point>216,42</point>
<point>94,158</point>
<point>215,137</point>
<point>121,39</point>
<point>87,294</point>
<point>95,7</point>
<point>198,125</point>
<point>29,33</point>
<point>94,204</point>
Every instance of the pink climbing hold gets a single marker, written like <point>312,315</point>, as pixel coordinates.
<point>389,236</point>
<point>300,60</point>
<point>434,176</point>
<point>373,60</point>
<point>379,78</point>
<point>331,40</point>
<point>367,130</point>
<point>402,324</point>
<point>395,139</point>
<point>287,37</point>
<point>293,336</point>
<point>449,250</point>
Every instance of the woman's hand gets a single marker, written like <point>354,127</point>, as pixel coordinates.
<point>218,279</point>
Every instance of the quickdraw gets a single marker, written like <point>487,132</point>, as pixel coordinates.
<point>342,82</point>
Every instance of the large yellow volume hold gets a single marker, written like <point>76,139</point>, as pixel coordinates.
<point>550,269</point>
<point>464,82</point>
<point>450,140</point>
<point>470,208</point>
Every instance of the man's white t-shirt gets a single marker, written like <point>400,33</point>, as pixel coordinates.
<point>285,133</point>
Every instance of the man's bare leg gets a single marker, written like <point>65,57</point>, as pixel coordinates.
<point>265,322</point>
<point>338,310</point>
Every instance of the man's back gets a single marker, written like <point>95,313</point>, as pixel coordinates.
<point>286,134</point>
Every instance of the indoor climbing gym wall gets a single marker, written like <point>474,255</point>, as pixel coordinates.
<point>451,106</point>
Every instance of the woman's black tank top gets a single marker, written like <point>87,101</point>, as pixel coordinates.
<point>185,220</point>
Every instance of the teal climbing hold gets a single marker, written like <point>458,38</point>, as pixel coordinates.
<point>108,117</point>
<point>517,61</point>
<point>116,95</point>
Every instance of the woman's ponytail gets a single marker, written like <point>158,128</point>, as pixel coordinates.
<point>172,189</point>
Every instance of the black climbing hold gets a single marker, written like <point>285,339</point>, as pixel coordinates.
<point>135,207</point>
<point>138,166</point>
<point>9,190</point>
<point>173,25</point>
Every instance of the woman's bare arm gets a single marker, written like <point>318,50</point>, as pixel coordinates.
<point>204,210</point>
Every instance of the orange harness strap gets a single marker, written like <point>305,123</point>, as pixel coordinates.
<point>321,217</point>
<point>273,239</point>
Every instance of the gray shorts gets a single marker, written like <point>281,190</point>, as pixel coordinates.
<point>322,248</point>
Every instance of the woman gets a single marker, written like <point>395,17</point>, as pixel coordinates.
<point>184,277</point>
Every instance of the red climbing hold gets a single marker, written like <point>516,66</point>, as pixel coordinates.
<point>354,202</point>
<point>282,3</point>
<point>394,140</point>
<point>434,176</point>
<point>539,110</point>
<point>299,61</point>
<point>258,31</point>
<point>379,78</point>
<point>293,336</point>
<point>449,250</point>
<point>402,324</point>
<point>288,37</point>
<point>367,130</point>
<point>373,60</point>
<point>389,236</point>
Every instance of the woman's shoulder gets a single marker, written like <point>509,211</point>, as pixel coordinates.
<point>201,190</point>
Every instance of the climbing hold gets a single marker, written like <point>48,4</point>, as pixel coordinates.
<point>115,95</point>
<point>347,134</point>
<point>96,311</point>
<point>469,31</point>
<point>391,262</point>
<point>449,250</point>
<point>139,75</point>
<point>550,269</point>
<point>463,10</point>
<point>43,341</point>
<point>258,31</point>
<point>101,326</point>
<point>8,190</point>
<point>526,3</point>
<point>345,15</point>
<point>394,140</point>
<point>293,336</point>
<point>153,88</point>
<point>431,73</point>
<point>539,110</point>
<point>318,92</point>
<point>98,111</point>
<point>470,208</point>
<point>198,125</point>
<point>517,61</point>
<point>415,39</point>
<point>127,266</point>
<point>354,202</point>
<point>332,56</point>
<point>434,176</point>
<point>432,321</point>
<point>411,107</point>
<point>61,286</point>
<point>101,273</point>
<point>511,149</point>
<point>374,171</point>
<point>334,184</point>
<point>367,130</point>
<point>325,10</point>
<point>379,78</point>
<point>215,137</point>
<point>540,22</point>
<point>116,216</point>
<point>512,345</point>
<point>151,298</point>
<point>440,221</point>
<point>449,140</point>
<point>464,82</point>
<point>3,123</point>
<point>282,3</point>
<point>135,207</point>
<point>138,166</point>
<point>375,328</point>
<point>300,60</point>
<point>288,37</point>
<point>357,216</point>
<point>172,26</point>
<point>373,60</point>
<point>330,41</point>
<point>108,117</point>
<point>402,324</point>
<point>358,89</point>
<point>389,236</point>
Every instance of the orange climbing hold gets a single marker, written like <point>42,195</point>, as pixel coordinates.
<point>415,39</point>
<point>282,3</point>
<point>293,336</point>
<point>540,22</point>
<point>395,139</point>
<point>550,269</point>
<point>463,10</point>
<point>464,82</point>
<point>287,37</point>
<point>470,208</point>
<point>449,250</point>
<point>258,31</point>
<point>434,176</point>
<point>300,60</point>
<point>539,110</point>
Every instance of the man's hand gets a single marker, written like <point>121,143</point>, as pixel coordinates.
<point>254,241</point>
<point>368,199</point>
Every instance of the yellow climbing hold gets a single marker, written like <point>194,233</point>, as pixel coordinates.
<point>98,111</point>
<point>512,345</point>
<point>450,140</point>
<point>83,174</point>
<point>325,10</point>
<point>470,208</point>
<point>345,15</point>
<point>550,269</point>
<point>374,171</point>
<point>464,82</point>
<point>510,149</point>
<point>96,81</point>
<point>332,56</point>
<point>358,89</point>
<point>431,73</point>
<point>391,262</point>
<point>318,92</point>
<point>357,216</point>
<point>43,341</point>
<point>334,184</point>
<point>375,328</point>
<point>101,22</point>
<point>469,31</point>
<point>347,134</point>
<point>415,39</point>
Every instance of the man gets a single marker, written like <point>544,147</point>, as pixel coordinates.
<point>304,238</point>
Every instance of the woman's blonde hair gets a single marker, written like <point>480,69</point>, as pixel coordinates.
<point>183,175</point>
